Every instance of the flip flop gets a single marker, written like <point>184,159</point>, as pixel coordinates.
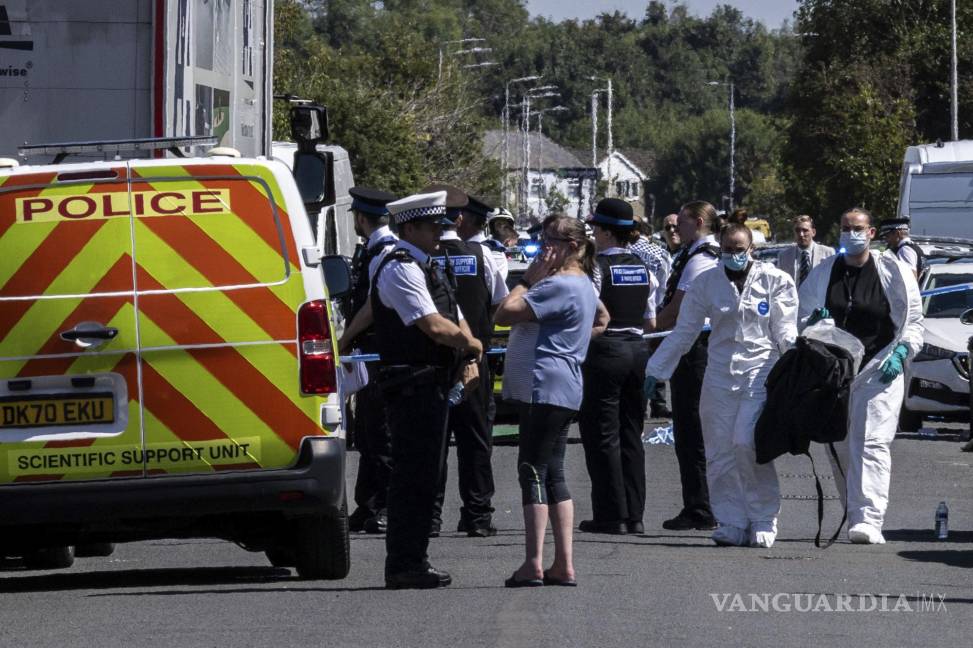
<point>550,580</point>
<point>513,581</point>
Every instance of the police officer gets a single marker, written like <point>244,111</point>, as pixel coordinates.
<point>500,222</point>
<point>613,409</point>
<point>895,231</point>
<point>423,341</point>
<point>696,228</point>
<point>371,216</point>
<point>479,288</point>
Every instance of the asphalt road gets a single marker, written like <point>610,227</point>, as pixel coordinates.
<point>657,589</point>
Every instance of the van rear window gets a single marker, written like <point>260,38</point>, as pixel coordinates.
<point>208,232</point>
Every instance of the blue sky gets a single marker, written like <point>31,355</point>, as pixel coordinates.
<point>771,12</point>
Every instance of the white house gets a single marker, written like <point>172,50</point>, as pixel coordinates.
<point>627,174</point>
<point>555,175</point>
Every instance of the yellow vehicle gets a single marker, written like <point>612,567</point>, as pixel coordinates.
<point>167,363</point>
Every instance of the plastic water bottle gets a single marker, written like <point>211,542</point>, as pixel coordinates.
<point>942,521</point>
<point>455,395</point>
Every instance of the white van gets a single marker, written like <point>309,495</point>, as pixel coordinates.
<point>936,189</point>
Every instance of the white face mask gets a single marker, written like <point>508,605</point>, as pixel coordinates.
<point>854,243</point>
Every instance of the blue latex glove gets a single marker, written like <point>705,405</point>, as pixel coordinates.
<point>648,388</point>
<point>818,315</point>
<point>893,365</point>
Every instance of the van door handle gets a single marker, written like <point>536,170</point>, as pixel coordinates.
<point>87,334</point>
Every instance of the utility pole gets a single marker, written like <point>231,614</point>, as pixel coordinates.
<point>538,92</point>
<point>461,41</point>
<point>733,135</point>
<point>954,80</point>
<point>505,145</point>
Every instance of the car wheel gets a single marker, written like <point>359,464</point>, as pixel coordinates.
<point>281,556</point>
<point>909,421</point>
<point>94,550</point>
<point>321,546</point>
<point>49,558</point>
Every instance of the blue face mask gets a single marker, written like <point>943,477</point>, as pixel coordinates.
<point>854,243</point>
<point>735,262</point>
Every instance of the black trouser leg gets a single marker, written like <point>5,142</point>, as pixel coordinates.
<point>658,399</point>
<point>687,384</point>
<point>468,425</point>
<point>604,373</point>
<point>374,446</point>
<point>631,417</point>
<point>417,419</point>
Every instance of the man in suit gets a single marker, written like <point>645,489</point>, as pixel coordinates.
<point>799,259</point>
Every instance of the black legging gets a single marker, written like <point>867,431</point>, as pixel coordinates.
<point>540,462</point>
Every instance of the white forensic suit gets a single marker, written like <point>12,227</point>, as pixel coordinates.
<point>873,410</point>
<point>750,331</point>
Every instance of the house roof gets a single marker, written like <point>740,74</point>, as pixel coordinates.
<point>544,152</point>
<point>639,160</point>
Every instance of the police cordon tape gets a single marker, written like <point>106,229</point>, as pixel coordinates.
<point>373,357</point>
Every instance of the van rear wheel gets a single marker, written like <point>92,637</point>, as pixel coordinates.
<point>321,546</point>
<point>49,558</point>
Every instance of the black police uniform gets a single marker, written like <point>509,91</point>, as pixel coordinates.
<point>371,427</point>
<point>920,255</point>
<point>415,373</point>
<point>469,421</point>
<point>613,407</point>
<point>687,387</point>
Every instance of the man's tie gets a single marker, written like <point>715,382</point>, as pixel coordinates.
<point>805,267</point>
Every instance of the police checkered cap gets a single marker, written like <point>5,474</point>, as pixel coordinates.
<point>410,208</point>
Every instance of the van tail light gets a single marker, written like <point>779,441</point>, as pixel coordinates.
<point>314,348</point>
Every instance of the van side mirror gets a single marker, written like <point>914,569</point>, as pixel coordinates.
<point>967,316</point>
<point>337,275</point>
<point>309,125</point>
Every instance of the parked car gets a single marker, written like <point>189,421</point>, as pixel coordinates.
<point>938,378</point>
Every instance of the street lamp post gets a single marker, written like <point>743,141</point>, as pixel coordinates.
<point>505,124</point>
<point>608,125</point>
<point>954,80</point>
<point>733,135</point>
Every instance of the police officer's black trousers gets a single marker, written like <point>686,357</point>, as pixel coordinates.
<point>611,419</point>
<point>469,425</point>
<point>417,420</point>
<point>687,384</point>
<point>375,450</point>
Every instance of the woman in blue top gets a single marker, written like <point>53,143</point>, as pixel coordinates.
<point>553,313</point>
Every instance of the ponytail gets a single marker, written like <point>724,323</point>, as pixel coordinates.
<point>588,258</point>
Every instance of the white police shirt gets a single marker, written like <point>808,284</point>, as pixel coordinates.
<point>382,232</point>
<point>495,282</point>
<point>499,258</point>
<point>698,264</point>
<point>402,287</point>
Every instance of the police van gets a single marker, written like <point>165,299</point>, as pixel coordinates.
<point>167,360</point>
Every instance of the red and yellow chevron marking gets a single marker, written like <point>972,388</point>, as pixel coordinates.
<point>227,407</point>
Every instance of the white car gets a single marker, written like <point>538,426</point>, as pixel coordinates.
<point>938,378</point>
